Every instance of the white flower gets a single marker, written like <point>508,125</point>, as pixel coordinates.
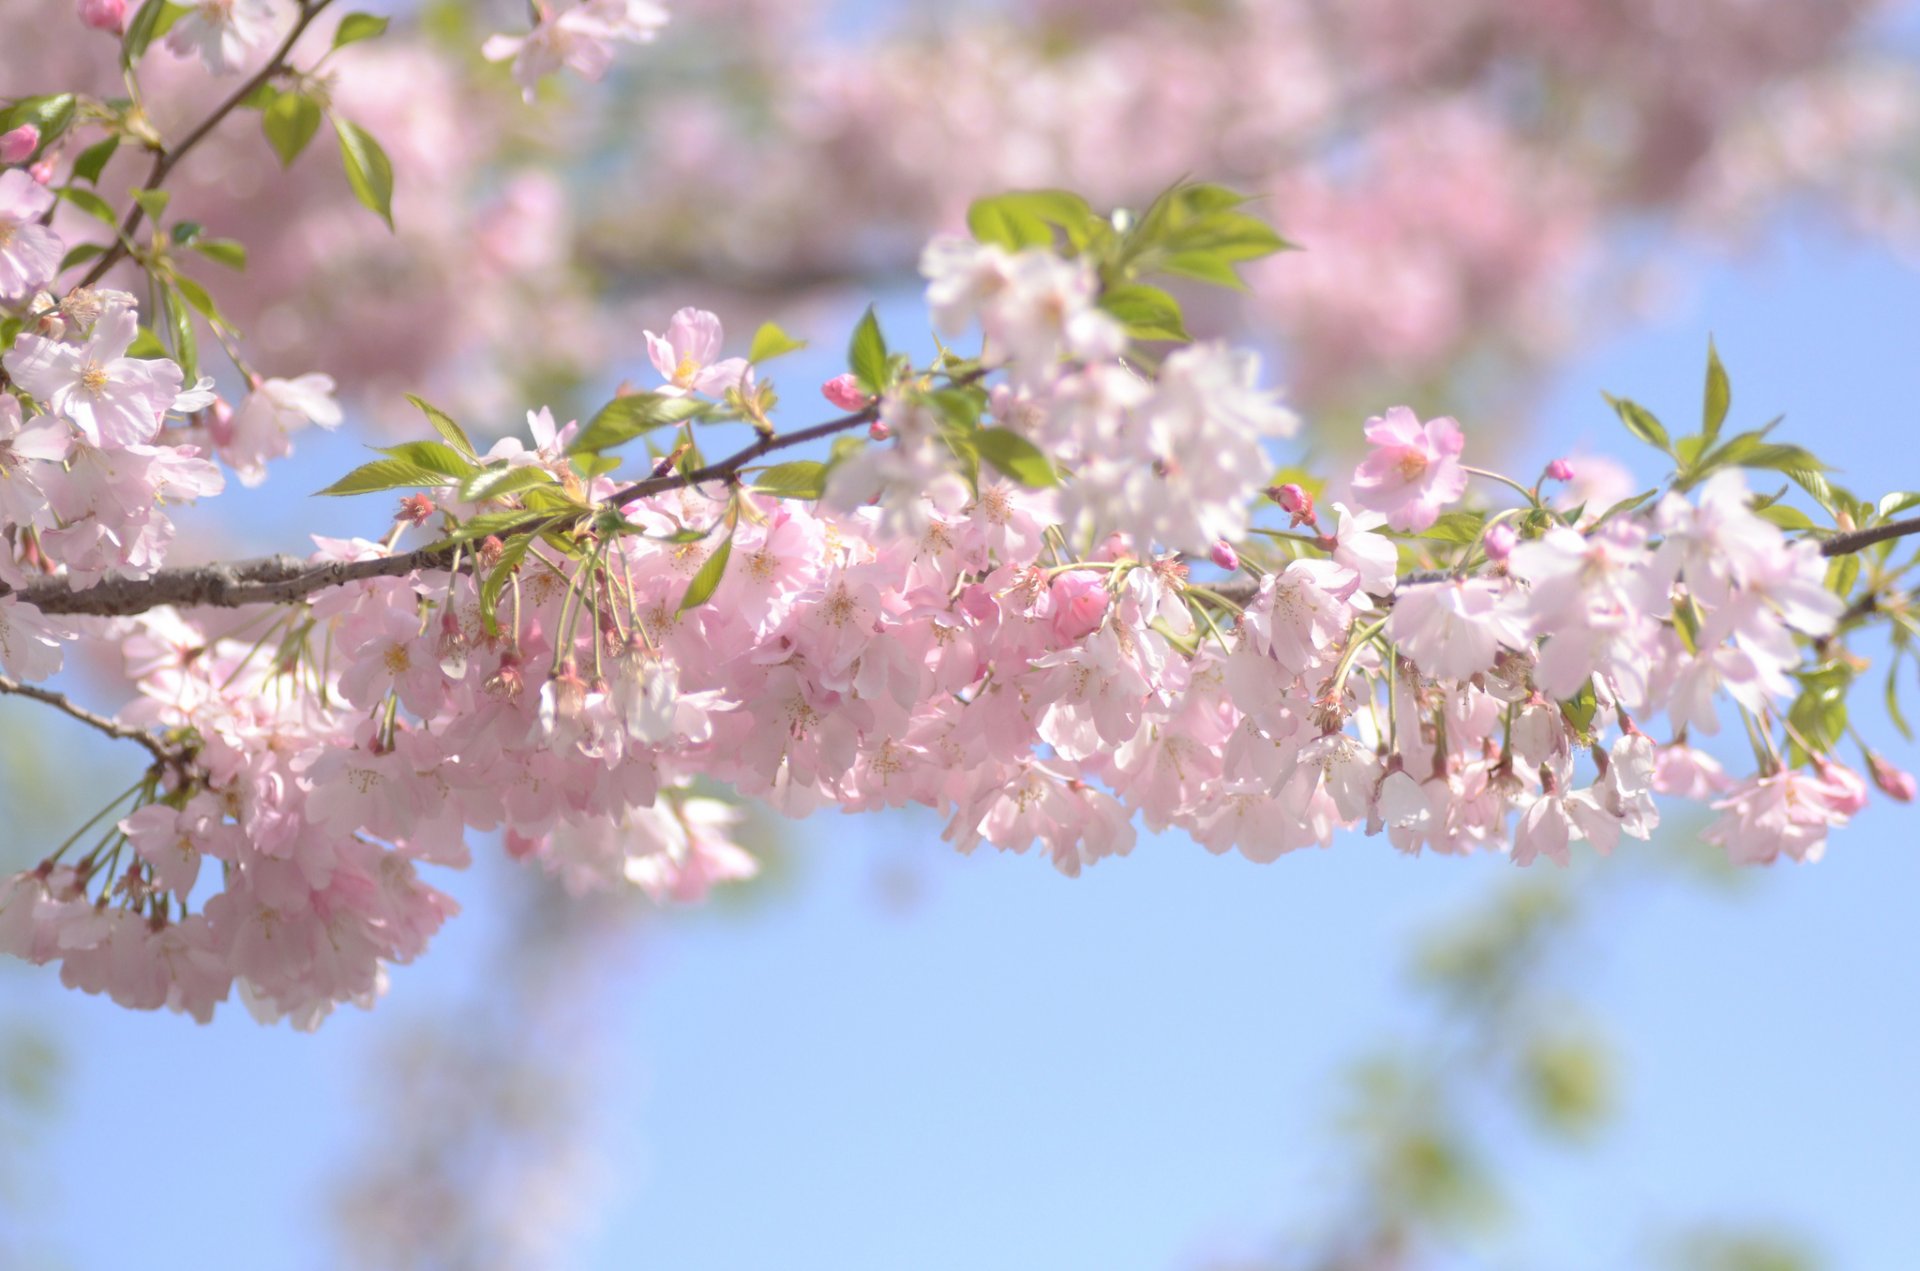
<point>271,413</point>
<point>1454,629</point>
<point>223,33</point>
<point>114,400</point>
<point>580,38</point>
<point>29,251</point>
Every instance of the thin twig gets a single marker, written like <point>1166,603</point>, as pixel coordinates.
<point>164,160</point>
<point>60,702</point>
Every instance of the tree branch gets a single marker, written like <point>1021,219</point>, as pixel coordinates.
<point>162,754</point>
<point>282,579</point>
<point>164,160</point>
<point>1858,540</point>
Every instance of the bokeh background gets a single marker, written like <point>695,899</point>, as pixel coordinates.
<point>880,1054</point>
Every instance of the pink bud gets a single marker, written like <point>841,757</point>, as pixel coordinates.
<point>1499,542</point>
<point>104,15</point>
<point>1224,556</point>
<point>844,391</point>
<point>17,145</point>
<point>1297,502</point>
<point>878,430</point>
<point>1840,787</point>
<point>42,172</point>
<point>1893,783</point>
<point>1560,470</point>
<point>1079,604</point>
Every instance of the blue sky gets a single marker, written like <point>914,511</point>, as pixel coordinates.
<point>1131,1070</point>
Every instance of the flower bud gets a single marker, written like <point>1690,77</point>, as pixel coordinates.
<point>43,171</point>
<point>844,391</point>
<point>1224,556</point>
<point>878,430</point>
<point>491,550</point>
<point>1560,470</point>
<point>104,15</point>
<point>1893,783</point>
<point>1499,542</point>
<point>17,146</point>
<point>1297,502</point>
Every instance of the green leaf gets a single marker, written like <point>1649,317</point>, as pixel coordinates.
<point>1456,527</point>
<point>444,425</point>
<point>498,483</point>
<point>1625,506</point>
<point>1893,505</point>
<point>1893,698</point>
<point>867,355</point>
<point>186,346</point>
<point>146,345</point>
<point>770,342</point>
<point>1640,422</point>
<point>707,581</point>
<point>223,251</point>
<point>90,162</point>
<point>1016,456</point>
<point>290,122</point>
<point>155,19</point>
<point>432,456</point>
<point>1027,218</point>
<point>197,296</point>
<point>185,233</point>
<point>1787,518</point>
<point>51,115</point>
<point>624,418</point>
<point>80,255</point>
<point>1719,396</point>
<point>153,203</point>
<point>515,551</point>
<point>1148,313</point>
<point>1580,709</point>
<point>358,26</point>
<point>369,171</point>
<point>386,474</point>
<point>486,523</point>
<point>801,479</point>
<point>90,203</point>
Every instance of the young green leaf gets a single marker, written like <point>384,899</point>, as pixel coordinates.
<point>1015,456</point>
<point>1719,397</point>
<point>1027,218</point>
<point>770,342</point>
<point>223,251</point>
<point>707,580</point>
<point>369,171</point>
<point>290,122</point>
<point>154,19</point>
<point>385,474</point>
<point>498,483</point>
<point>801,479</point>
<point>624,418</point>
<point>432,456</point>
<point>1148,313</point>
<point>51,115</point>
<point>867,355</point>
<point>153,203</point>
<point>358,26</point>
<point>186,346</point>
<point>90,162</point>
<point>80,256</point>
<point>515,551</point>
<point>90,203</point>
<point>1640,422</point>
<point>444,425</point>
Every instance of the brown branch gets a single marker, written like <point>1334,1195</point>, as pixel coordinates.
<point>164,160</point>
<point>162,754</point>
<point>1858,540</point>
<point>282,579</point>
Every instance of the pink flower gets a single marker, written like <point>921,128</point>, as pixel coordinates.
<point>1079,605</point>
<point>1456,628</point>
<point>1297,502</point>
<point>104,15</point>
<point>1414,469</point>
<point>1499,542</point>
<point>225,33</point>
<point>686,356</point>
<point>1560,470</point>
<point>19,144</point>
<point>844,391</point>
<point>29,251</point>
<point>580,38</point>
<point>114,400</point>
